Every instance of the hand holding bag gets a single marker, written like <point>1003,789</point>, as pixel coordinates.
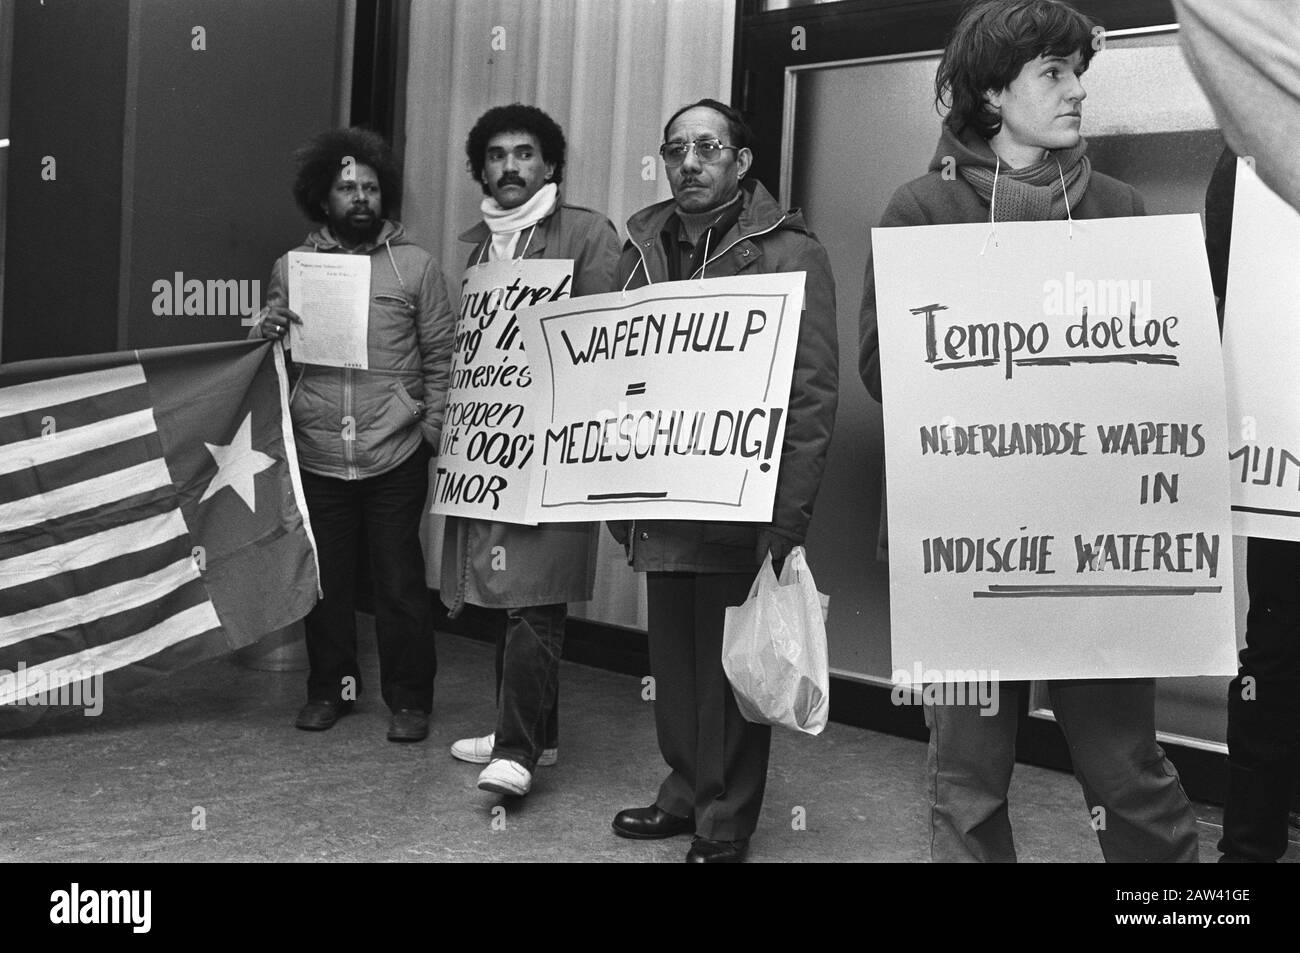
<point>774,648</point>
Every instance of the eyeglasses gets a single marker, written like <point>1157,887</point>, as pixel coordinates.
<point>706,150</point>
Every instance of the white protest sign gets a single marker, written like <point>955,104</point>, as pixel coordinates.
<point>484,467</point>
<point>667,402</point>
<point>331,293</point>
<point>1261,338</point>
<point>1054,444</point>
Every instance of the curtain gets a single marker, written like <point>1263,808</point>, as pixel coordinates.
<point>610,72</point>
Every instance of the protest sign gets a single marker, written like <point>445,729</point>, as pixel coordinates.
<point>1261,338</point>
<point>667,402</point>
<point>1054,443</point>
<point>484,467</point>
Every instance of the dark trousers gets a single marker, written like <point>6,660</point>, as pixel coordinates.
<point>1264,707</point>
<point>528,683</point>
<point>389,506</point>
<point>718,759</point>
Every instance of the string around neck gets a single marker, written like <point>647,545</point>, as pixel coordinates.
<point>993,207</point>
<point>1065,195</point>
<point>528,241</point>
<point>641,265</point>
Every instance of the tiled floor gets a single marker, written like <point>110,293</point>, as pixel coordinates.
<point>216,744</point>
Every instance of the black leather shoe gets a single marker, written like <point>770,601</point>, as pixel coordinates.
<point>705,851</point>
<point>408,724</point>
<point>320,714</point>
<point>650,823</point>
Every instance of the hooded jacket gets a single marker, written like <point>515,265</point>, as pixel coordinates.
<point>943,197</point>
<point>351,424</point>
<point>507,565</point>
<point>765,240</point>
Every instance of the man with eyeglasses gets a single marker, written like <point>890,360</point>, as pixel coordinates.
<point>720,224</point>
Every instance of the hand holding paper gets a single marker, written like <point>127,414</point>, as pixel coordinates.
<point>332,293</point>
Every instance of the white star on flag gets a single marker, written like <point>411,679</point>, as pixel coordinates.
<point>237,464</point>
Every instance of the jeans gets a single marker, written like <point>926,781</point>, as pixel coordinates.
<point>1109,725</point>
<point>1264,708</point>
<point>528,683</point>
<point>389,506</point>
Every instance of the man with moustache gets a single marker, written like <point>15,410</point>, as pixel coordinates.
<point>516,154</point>
<point>718,224</point>
<point>364,437</point>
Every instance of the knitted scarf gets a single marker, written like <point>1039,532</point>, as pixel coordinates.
<point>1029,194</point>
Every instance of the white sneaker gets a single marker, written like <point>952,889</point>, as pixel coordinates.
<point>479,751</point>
<point>505,777</point>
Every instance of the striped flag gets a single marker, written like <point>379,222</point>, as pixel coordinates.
<point>151,516</point>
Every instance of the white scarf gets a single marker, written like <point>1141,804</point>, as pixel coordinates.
<point>506,223</point>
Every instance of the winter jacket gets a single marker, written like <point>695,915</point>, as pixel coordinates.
<point>351,424</point>
<point>765,240</point>
<point>938,198</point>
<point>505,565</point>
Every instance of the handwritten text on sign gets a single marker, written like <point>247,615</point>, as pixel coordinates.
<point>667,402</point>
<point>485,463</point>
<point>1261,338</point>
<point>1054,442</point>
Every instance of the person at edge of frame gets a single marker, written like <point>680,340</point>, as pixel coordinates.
<point>1264,698</point>
<point>365,437</point>
<point>717,224</point>
<point>1011,75</point>
<point>516,154</point>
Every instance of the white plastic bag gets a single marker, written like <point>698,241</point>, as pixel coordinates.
<point>774,648</point>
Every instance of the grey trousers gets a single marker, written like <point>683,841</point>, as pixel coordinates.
<point>1109,725</point>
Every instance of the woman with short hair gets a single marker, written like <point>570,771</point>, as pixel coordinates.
<point>1011,77</point>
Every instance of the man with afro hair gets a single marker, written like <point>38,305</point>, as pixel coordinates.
<point>365,437</point>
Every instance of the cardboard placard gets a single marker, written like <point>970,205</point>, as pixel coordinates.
<point>667,402</point>
<point>1054,436</point>
<point>1261,338</point>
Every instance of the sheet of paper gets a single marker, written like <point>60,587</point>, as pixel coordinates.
<point>1261,356</point>
<point>1054,446</point>
<point>331,293</point>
